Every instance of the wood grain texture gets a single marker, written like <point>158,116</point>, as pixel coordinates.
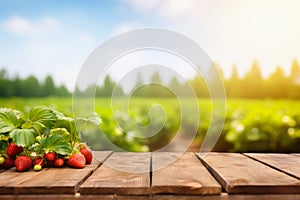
<point>117,180</point>
<point>240,174</point>
<point>225,196</point>
<point>49,180</point>
<point>286,163</point>
<point>186,175</point>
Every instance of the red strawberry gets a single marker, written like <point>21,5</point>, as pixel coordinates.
<point>8,163</point>
<point>87,154</point>
<point>77,160</point>
<point>59,162</point>
<point>50,156</point>
<point>23,163</point>
<point>12,150</point>
<point>39,161</point>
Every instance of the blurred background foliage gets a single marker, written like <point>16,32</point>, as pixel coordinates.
<point>250,125</point>
<point>262,114</point>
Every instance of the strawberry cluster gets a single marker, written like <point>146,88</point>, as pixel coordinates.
<point>15,156</point>
<point>43,138</point>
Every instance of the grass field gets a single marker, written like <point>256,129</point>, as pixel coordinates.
<point>250,125</point>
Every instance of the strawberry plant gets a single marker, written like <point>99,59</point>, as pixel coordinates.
<point>41,137</point>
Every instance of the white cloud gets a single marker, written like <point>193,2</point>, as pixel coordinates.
<point>168,8</point>
<point>21,26</point>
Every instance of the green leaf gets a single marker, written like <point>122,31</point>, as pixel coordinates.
<point>67,123</point>
<point>4,137</point>
<point>55,143</point>
<point>3,146</point>
<point>23,137</point>
<point>93,120</point>
<point>63,132</point>
<point>89,123</point>
<point>41,117</point>
<point>9,120</point>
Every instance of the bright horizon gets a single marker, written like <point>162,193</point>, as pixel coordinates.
<point>52,37</point>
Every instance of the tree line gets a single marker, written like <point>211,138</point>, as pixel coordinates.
<point>251,85</point>
<point>29,87</point>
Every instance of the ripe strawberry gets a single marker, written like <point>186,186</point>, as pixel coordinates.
<point>39,161</point>
<point>59,162</point>
<point>12,150</point>
<point>77,160</point>
<point>23,163</point>
<point>87,154</point>
<point>50,156</point>
<point>8,163</point>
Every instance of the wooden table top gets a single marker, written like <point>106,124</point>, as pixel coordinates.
<point>191,176</point>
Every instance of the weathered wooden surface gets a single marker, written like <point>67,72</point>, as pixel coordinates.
<point>49,180</point>
<point>223,196</point>
<point>286,163</point>
<point>186,175</point>
<point>117,180</point>
<point>240,174</point>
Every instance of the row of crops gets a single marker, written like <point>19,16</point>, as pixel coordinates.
<point>150,124</point>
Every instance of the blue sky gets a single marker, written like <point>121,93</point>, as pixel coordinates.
<point>55,37</point>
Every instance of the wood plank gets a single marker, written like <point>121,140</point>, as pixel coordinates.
<point>117,180</point>
<point>240,174</point>
<point>286,163</point>
<point>225,196</point>
<point>49,180</point>
<point>185,176</point>
<point>63,196</point>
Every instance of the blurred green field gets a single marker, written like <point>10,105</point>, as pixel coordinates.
<point>250,125</point>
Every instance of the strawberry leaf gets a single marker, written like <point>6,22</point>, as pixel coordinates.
<point>3,146</point>
<point>23,137</point>
<point>40,118</point>
<point>63,132</point>
<point>86,123</point>
<point>55,143</point>
<point>9,120</point>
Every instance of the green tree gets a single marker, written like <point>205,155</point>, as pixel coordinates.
<point>6,88</point>
<point>233,85</point>
<point>48,87</point>
<point>62,91</point>
<point>294,81</point>
<point>31,87</point>
<point>276,84</point>
<point>252,84</point>
<point>200,87</point>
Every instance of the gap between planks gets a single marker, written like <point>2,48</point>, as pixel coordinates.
<point>238,173</point>
<point>49,180</point>
<point>285,163</point>
<point>116,175</point>
<point>184,174</point>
